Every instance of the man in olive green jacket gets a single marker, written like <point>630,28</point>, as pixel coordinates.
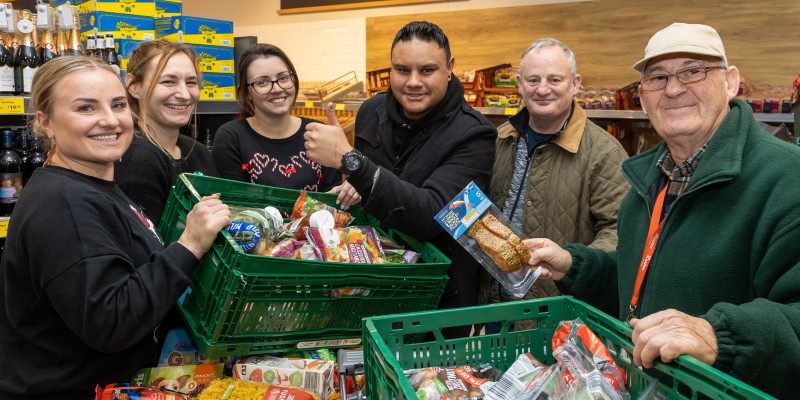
<point>556,174</point>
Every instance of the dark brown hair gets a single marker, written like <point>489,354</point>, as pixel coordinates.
<point>254,52</point>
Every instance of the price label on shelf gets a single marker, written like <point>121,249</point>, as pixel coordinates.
<point>309,104</point>
<point>339,106</point>
<point>3,227</point>
<point>12,105</point>
<point>510,111</point>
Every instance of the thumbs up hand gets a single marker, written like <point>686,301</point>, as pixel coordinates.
<point>325,144</point>
<point>331,114</point>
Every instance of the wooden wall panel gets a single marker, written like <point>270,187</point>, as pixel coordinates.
<point>608,36</point>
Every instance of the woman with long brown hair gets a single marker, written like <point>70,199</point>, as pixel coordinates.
<point>163,88</point>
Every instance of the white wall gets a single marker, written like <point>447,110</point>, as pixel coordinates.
<point>321,50</point>
<point>324,45</point>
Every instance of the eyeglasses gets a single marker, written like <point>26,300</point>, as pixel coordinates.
<point>685,76</point>
<point>263,86</point>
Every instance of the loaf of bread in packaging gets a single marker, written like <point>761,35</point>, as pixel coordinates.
<point>501,244</point>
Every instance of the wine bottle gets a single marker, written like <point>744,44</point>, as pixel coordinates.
<point>91,49</point>
<point>27,60</point>
<point>6,67</point>
<point>35,159</point>
<point>209,139</point>
<point>111,53</point>
<point>10,173</point>
<point>48,46</point>
<point>74,48</point>
<point>61,39</point>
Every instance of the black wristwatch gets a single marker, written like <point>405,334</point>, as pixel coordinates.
<point>351,162</point>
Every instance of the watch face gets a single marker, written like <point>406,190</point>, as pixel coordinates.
<point>351,162</point>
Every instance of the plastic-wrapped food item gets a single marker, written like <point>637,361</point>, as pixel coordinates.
<point>459,383</point>
<point>399,256</point>
<point>255,227</point>
<point>305,206</point>
<point>515,380</point>
<point>126,391</point>
<point>480,227</point>
<point>235,389</point>
<point>586,361</point>
<point>353,244</point>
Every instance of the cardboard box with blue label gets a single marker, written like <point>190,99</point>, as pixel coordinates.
<point>122,26</point>
<point>195,30</point>
<point>214,58</point>
<point>218,87</point>
<point>124,49</point>
<point>168,8</point>
<point>145,8</point>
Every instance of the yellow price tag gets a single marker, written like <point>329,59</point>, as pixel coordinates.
<point>510,111</point>
<point>339,106</point>
<point>3,228</point>
<point>309,104</point>
<point>12,105</point>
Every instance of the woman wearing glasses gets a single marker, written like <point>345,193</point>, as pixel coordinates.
<point>266,145</point>
<point>163,87</point>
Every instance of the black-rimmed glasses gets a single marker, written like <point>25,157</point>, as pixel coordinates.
<point>263,86</point>
<point>685,76</point>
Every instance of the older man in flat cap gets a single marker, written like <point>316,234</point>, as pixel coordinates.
<point>708,260</point>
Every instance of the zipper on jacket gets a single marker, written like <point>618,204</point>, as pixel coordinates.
<point>646,198</point>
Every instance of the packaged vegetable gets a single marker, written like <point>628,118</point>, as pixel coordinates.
<point>307,205</point>
<point>255,227</point>
<point>354,244</point>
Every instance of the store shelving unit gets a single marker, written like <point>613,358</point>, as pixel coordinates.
<point>232,107</point>
<point>632,115</point>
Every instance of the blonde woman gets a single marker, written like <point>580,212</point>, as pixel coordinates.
<point>85,278</point>
<point>163,88</point>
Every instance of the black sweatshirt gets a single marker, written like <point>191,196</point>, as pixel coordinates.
<point>86,282</point>
<point>243,154</point>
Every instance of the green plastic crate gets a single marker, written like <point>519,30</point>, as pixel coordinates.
<point>392,344</point>
<point>241,304</point>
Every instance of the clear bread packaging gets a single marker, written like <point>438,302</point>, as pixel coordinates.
<point>480,227</point>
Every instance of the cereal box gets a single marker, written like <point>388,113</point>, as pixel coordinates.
<point>315,376</point>
<point>188,379</point>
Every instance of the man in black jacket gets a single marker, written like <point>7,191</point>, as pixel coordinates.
<point>416,147</point>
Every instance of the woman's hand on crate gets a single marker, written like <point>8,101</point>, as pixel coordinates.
<point>203,223</point>
<point>347,195</point>
<point>554,260</point>
<point>670,333</point>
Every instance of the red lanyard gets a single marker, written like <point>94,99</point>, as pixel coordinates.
<point>649,247</point>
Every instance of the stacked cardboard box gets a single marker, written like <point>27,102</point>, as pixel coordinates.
<point>212,39</point>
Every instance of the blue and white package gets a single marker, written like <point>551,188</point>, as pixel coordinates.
<point>468,207</point>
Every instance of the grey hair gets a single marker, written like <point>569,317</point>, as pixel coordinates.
<point>550,42</point>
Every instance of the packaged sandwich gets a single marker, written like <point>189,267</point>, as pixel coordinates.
<point>482,229</point>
